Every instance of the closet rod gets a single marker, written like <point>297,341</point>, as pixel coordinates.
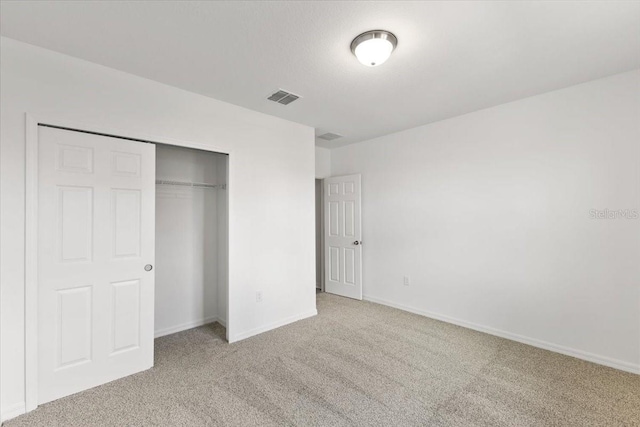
<point>191,184</point>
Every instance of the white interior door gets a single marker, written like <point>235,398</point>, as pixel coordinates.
<point>96,221</point>
<point>343,236</point>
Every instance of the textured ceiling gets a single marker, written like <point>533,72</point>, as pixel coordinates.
<point>452,57</point>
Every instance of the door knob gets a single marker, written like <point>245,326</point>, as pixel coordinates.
<point>357,242</point>
<point>148,267</point>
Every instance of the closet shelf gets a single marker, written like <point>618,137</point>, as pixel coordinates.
<point>191,184</point>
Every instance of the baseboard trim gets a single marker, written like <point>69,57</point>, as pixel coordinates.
<point>187,325</point>
<point>13,411</point>
<point>273,325</point>
<point>579,354</point>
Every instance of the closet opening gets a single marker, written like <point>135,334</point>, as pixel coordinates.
<point>191,235</point>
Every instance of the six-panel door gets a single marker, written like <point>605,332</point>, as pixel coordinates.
<point>343,235</point>
<point>96,226</point>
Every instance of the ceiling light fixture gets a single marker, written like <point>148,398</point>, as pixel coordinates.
<point>374,47</point>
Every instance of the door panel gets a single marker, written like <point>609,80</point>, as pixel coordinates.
<point>125,315</point>
<point>73,158</point>
<point>96,231</point>
<point>74,326</point>
<point>343,253</point>
<point>75,223</point>
<point>349,218</point>
<point>126,223</point>
<point>334,220</point>
<point>349,266</point>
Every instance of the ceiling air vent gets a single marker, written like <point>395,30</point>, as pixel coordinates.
<point>283,97</point>
<point>330,136</point>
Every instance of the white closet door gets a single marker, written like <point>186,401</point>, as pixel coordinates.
<point>96,222</point>
<point>342,236</point>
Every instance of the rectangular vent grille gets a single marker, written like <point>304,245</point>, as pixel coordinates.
<point>283,97</point>
<point>330,136</point>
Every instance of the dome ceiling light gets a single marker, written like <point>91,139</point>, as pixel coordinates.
<point>373,48</point>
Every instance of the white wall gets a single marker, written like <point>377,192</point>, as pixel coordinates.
<point>323,162</point>
<point>271,185</point>
<point>489,215</point>
<point>187,287</point>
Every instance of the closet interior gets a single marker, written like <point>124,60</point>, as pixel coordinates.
<point>191,239</point>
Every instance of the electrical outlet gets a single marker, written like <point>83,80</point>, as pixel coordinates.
<point>406,280</point>
<point>259,296</point>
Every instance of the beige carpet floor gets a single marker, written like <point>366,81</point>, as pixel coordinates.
<point>355,364</point>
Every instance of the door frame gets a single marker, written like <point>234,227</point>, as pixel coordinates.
<point>321,234</point>
<point>31,225</point>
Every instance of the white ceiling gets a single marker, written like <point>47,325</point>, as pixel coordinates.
<point>452,57</point>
